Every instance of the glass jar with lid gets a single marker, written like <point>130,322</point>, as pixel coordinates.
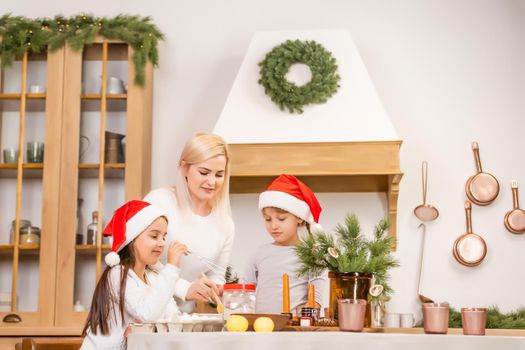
<point>23,224</point>
<point>30,235</point>
<point>238,298</point>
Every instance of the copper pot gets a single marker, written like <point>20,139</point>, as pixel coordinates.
<point>473,320</point>
<point>469,249</point>
<point>435,318</point>
<point>351,314</point>
<point>482,188</point>
<point>515,218</point>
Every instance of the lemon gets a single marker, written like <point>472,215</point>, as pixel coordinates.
<point>263,324</point>
<point>237,323</point>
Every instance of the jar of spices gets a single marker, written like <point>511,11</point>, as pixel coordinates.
<point>311,312</point>
<point>238,299</point>
<point>30,235</point>
<point>23,223</point>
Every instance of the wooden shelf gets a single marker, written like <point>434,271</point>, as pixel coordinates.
<point>36,96</point>
<point>30,170</point>
<point>319,183</point>
<point>91,247</point>
<point>84,249</point>
<point>18,96</point>
<point>108,96</point>
<point>324,166</point>
<point>34,102</point>
<point>111,170</point>
<point>24,249</point>
<point>106,166</point>
<point>24,166</point>
<point>114,103</point>
<point>9,96</point>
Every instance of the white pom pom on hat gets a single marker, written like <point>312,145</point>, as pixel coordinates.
<point>316,228</point>
<point>112,259</point>
<point>288,193</point>
<point>129,221</point>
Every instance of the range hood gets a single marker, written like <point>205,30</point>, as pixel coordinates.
<point>347,144</point>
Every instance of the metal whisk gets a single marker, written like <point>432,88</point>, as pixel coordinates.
<point>211,264</point>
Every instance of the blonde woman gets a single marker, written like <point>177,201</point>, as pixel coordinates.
<point>199,215</point>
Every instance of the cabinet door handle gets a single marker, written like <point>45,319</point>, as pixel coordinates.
<point>12,318</point>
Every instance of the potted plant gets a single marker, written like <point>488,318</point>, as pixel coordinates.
<point>353,261</point>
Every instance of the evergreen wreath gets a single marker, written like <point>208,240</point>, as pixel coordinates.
<point>323,84</point>
<point>20,35</point>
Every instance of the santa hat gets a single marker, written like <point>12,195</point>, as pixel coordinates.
<point>288,193</point>
<point>129,221</point>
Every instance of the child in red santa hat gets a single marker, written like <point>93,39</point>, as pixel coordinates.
<point>288,206</point>
<point>134,287</point>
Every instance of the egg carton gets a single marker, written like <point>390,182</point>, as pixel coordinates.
<point>201,323</point>
<point>185,323</point>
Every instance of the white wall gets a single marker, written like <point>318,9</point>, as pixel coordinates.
<point>448,72</point>
<point>354,112</point>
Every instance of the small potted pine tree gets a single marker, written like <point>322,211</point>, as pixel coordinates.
<point>353,261</point>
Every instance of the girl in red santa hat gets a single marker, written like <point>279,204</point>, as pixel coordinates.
<point>288,207</point>
<point>134,287</point>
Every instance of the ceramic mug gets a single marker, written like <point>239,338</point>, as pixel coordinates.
<point>407,320</point>
<point>10,155</point>
<point>37,89</point>
<point>115,86</point>
<point>392,320</point>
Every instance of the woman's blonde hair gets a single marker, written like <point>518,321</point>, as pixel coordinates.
<point>201,147</point>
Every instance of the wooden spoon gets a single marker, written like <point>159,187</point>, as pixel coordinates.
<point>216,300</point>
<point>220,307</point>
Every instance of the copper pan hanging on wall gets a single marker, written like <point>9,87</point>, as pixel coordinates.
<point>482,188</point>
<point>469,249</point>
<point>515,218</point>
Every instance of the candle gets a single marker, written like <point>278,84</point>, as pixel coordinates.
<point>286,294</point>
<point>311,295</point>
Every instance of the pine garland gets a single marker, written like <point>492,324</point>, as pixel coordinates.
<point>348,251</point>
<point>20,35</point>
<point>275,66</point>
<point>495,319</point>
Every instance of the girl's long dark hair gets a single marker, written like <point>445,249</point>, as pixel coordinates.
<point>98,318</point>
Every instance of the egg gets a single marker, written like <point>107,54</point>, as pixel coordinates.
<point>263,324</point>
<point>237,323</point>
